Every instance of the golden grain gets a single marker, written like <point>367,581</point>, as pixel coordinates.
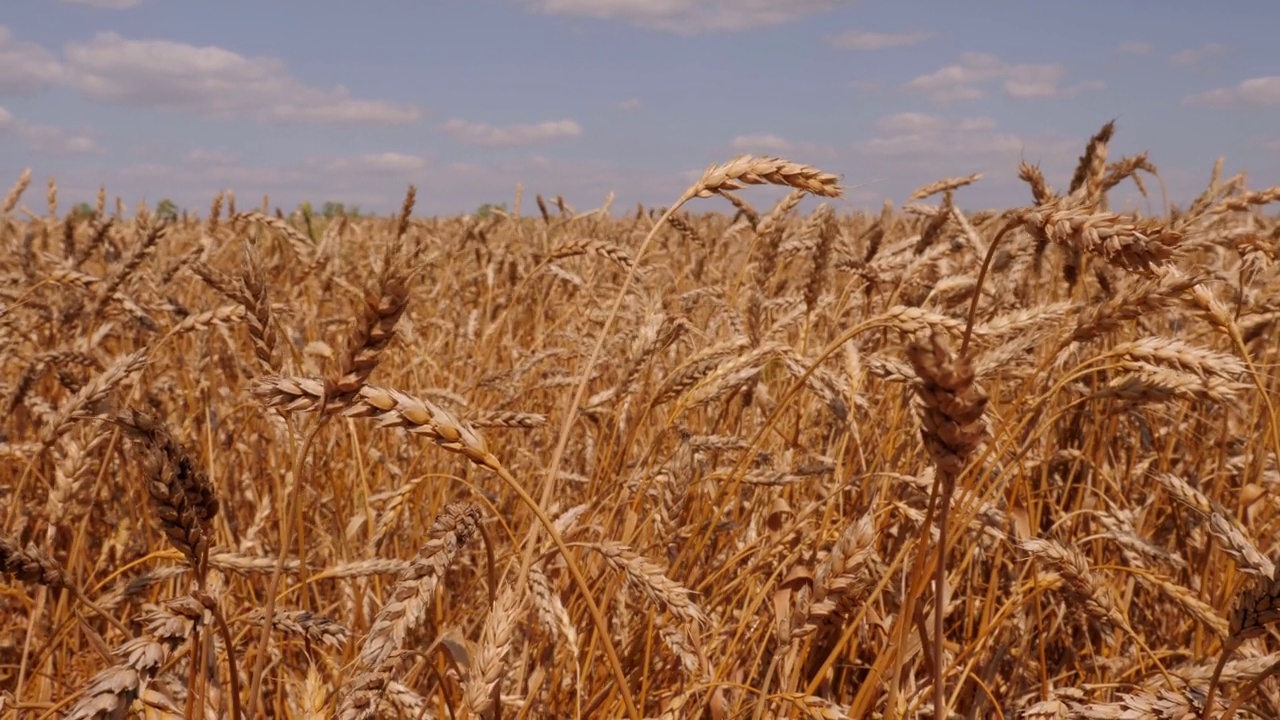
<point>269,442</point>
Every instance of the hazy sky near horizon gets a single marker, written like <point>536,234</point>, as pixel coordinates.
<point>466,98</point>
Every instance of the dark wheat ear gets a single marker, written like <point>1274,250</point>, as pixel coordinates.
<point>384,303</point>
<point>186,500</point>
<point>1255,610</point>
<point>31,565</point>
<point>953,403</point>
<point>35,566</point>
<point>1087,180</point>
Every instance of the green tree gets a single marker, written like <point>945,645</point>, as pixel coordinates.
<point>167,209</point>
<point>488,209</point>
<point>82,210</point>
<point>333,209</point>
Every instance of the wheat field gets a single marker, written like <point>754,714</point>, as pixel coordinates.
<point>706,461</point>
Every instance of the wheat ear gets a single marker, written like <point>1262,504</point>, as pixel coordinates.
<point>952,428</point>
<point>405,610</point>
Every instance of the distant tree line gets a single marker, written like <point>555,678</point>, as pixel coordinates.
<point>330,209</point>
<point>167,209</point>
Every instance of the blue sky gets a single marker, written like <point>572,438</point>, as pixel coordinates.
<point>467,98</point>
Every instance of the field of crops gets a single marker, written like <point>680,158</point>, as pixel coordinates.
<point>688,462</point>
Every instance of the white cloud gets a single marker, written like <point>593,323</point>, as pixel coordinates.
<point>863,40</point>
<point>45,138</point>
<point>511,135</point>
<point>688,17</point>
<point>56,140</point>
<point>1034,81</point>
<point>1219,97</point>
<point>947,89</point>
<point>965,81</point>
<point>1258,92</point>
<point>213,81</point>
<point>387,163</point>
<point>107,4</point>
<point>959,82</point>
<point>1195,56</point>
<point>210,157</point>
<point>924,136</point>
<point>1047,87</point>
<point>909,122</point>
<point>630,105</point>
<point>1137,48</point>
<point>761,143</point>
<point>26,67</point>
